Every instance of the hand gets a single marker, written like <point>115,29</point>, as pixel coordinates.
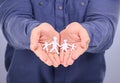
<point>39,35</point>
<point>74,34</point>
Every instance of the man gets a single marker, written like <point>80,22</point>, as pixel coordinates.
<point>27,24</point>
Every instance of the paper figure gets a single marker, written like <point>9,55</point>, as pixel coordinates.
<point>54,45</point>
<point>65,46</point>
<point>45,46</point>
<point>73,47</point>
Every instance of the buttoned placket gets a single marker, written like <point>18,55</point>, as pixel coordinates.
<point>59,12</point>
<point>82,3</point>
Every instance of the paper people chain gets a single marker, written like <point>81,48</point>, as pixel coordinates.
<point>55,45</point>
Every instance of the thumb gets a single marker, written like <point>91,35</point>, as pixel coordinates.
<point>83,44</point>
<point>34,38</point>
<point>84,41</point>
<point>34,47</point>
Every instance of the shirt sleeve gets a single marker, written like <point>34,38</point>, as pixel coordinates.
<point>17,21</point>
<point>101,20</point>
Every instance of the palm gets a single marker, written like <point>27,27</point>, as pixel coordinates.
<point>41,35</point>
<point>74,36</point>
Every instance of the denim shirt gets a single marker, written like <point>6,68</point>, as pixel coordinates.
<point>98,17</point>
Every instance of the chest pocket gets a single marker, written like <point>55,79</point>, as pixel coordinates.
<point>76,10</point>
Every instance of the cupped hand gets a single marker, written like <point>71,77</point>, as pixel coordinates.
<point>77,37</point>
<point>39,36</point>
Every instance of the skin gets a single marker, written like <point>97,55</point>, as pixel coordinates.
<point>44,33</point>
<point>74,33</point>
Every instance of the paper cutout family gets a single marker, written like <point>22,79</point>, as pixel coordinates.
<point>55,45</point>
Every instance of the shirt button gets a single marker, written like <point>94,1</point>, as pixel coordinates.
<point>40,3</point>
<point>82,3</point>
<point>60,8</point>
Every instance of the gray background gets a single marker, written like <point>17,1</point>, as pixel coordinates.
<point>112,59</point>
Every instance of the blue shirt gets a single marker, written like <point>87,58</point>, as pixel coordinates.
<point>18,18</point>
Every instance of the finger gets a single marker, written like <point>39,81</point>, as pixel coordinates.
<point>34,40</point>
<point>62,57</point>
<point>55,55</point>
<point>85,39</point>
<point>83,45</point>
<point>57,58</point>
<point>35,36</point>
<point>48,62</point>
<point>43,57</point>
<point>54,62</point>
<point>34,46</point>
<point>70,61</point>
<point>79,51</point>
<point>66,57</point>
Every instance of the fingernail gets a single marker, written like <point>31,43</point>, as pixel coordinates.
<point>73,57</point>
<point>56,66</point>
<point>65,65</point>
<point>50,64</point>
<point>71,62</point>
<point>83,45</point>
